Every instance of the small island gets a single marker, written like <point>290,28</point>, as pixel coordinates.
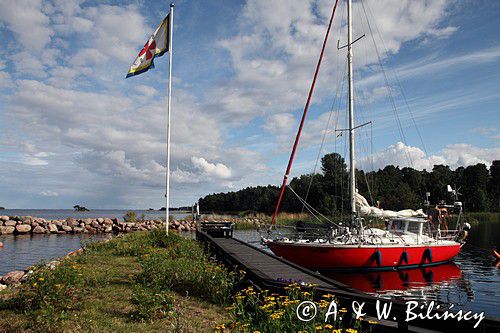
<point>79,208</point>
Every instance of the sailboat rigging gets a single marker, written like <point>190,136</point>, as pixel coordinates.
<point>410,239</point>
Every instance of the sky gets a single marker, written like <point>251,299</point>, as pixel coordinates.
<point>73,130</point>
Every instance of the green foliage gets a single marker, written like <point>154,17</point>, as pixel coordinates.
<point>254,311</point>
<point>48,294</point>
<point>392,187</point>
<point>150,304</point>
<point>130,216</point>
<point>185,268</point>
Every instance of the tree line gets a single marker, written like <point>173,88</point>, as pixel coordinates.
<point>391,188</point>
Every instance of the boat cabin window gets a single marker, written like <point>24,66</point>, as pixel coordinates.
<point>407,226</point>
<point>398,225</point>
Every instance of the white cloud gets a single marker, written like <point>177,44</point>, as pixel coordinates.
<point>5,80</point>
<point>49,193</point>
<point>114,38</point>
<point>217,170</point>
<point>27,21</point>
<point>275,54</point>
<point>454,156</point>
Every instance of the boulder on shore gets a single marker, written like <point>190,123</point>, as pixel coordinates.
<point>23,228</point>
<point>52,228</point>
<point>38,230</point>
<point>7,230</point>
<point>12,277</point>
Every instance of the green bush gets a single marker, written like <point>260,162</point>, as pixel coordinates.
<point>130,216</point>
<point>150,304</point>
<point>260,311</point>
<point>184,267</point>
<point>48,294</point>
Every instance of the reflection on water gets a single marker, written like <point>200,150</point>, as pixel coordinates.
<point>471,281</point>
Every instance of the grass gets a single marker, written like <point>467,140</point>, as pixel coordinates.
<point>110,288</point>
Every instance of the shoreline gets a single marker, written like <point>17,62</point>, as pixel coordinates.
<point>23,225</point>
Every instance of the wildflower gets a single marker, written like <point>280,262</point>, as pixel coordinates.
<point>351,330</point>
<point>74,266</point>
<point>372,322</point>
<point>343,310</point>
<point>34,284</point>
<point>327,326</point>
<point>41,279</point>
<point>319,328</point>
<point>220,327</point>
<point>305,293</point>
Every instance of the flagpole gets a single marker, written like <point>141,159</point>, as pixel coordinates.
<point>169,108</point>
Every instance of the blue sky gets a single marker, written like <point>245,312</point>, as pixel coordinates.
<point>74,131</point>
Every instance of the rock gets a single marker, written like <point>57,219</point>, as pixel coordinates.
<point>7,230</point>
<point>4,218</point>
<point>1,244</point>
<point>38,230</point>
<point>108,229</point>
<point>71,222</point>
<point>10,223</point>
<point>96,224</point>
<point>78,230</point>
<point>67,228</point>
<point>12,277</point>
<point>3,287</point>
<point>53,228</point>
<point>100,220</point>
<point>23,228</point>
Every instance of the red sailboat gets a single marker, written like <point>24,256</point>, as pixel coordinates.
<point>410,238</point>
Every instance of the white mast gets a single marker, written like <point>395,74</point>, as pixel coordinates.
<point>352,187</point>
<point>169,107</point>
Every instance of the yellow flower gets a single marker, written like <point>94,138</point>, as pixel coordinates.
<point>372,322</point>
<point>256,331</point>
<point>74,266</point>
<point>34,284</point>
<point>343,310</point>
<point>351,330</point>
<point>319,328</point>
<point>41,279</point>
<point>328,326</point>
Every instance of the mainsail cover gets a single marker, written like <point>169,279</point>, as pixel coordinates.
<point>364,209</point>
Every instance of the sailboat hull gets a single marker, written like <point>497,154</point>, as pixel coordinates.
<point>353,257</point>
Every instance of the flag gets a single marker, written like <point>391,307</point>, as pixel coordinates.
<point>156,46</point>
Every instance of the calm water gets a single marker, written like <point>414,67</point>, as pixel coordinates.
<point>471,281</point>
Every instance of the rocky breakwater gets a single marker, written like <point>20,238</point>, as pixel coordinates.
<point>19,225</point>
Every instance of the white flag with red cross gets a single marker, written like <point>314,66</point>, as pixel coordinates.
<point>156,46</point>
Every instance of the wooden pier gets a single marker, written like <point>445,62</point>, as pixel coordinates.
<point>267,271</point>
